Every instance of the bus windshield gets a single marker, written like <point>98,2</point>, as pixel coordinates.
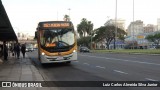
<point>57,38</point>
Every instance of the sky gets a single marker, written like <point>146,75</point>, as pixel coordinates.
<point>24,15</point>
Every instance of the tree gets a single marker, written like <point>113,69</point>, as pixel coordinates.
<point>84,28</point>
<point>66,18</point>
<point>84,41</point>
<point>154,38</point>
<point>150,38</point>
<point>108,33</point>
<point>89,27</point>
<point>157,37</point>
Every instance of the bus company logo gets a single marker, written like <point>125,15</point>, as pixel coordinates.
<point>6,84</point>
<point>59,53</point>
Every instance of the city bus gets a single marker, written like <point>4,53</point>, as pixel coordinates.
<point>56,42</point>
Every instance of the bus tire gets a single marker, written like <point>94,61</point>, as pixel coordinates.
<point>43,64</point>
<point>68,62</point>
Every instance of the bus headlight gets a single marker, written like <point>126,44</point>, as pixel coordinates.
<point>74,50</point>
<point>43,53</point>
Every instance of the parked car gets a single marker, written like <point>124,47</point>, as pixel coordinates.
<point>84,49</point>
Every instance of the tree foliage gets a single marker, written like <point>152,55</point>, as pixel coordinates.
<point>66,18</point>
<point>84,41</point>
<point>84,28</point>
<point>150,38</point>
<point>108,33</point>
<point>154,38</point>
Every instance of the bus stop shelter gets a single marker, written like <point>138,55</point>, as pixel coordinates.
<point>6,30</point>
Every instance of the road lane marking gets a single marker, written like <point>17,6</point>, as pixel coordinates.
<point>124,60</point>
<point>101,67</point>
<point>151,79</point>
<point>120,72</point>
<point>86,63</point>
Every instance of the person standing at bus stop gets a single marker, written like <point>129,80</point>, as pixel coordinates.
<point>15,50</point>
<point>18,50</point>
<point>5,50</point>
<point>23,50</point>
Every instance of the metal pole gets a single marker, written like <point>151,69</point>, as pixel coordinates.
<point>133,25</point>
<point>91,39</point>
<point>69,14</point>
<point>69,11</point>
<point>57,15</point>
<point>115,33</point>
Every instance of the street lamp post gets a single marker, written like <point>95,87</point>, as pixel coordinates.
<point>115,33</point>
<point>133,26</point>
<point>69,13</point>
<point>91,39</point>
<point>57,15</point>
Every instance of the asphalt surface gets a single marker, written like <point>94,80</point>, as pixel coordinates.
<point>103,67</point>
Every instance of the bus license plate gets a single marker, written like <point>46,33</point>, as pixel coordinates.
<point>59,58</point>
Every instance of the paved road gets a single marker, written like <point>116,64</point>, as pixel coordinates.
<point>103,67</point>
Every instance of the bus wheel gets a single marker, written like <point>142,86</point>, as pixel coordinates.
<point>68,62</point>
<point>43,64</point>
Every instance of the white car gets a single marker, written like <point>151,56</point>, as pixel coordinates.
<point>29,48</point>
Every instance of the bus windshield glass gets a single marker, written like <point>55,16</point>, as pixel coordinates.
<point>56,38</point>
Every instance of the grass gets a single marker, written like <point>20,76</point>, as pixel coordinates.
<point>143,51</point>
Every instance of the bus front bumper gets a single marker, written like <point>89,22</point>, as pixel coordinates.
<point>58,59</point>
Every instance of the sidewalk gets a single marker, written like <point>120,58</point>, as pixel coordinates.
<point>20,70</point>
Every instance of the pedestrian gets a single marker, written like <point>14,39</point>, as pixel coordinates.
<point>18,50</point>
<point>23,50</point>
<point>1,50</point>
<point>5,50</point>
<point>14,50</point>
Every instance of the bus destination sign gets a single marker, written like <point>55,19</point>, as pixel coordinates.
<point>49,25</point>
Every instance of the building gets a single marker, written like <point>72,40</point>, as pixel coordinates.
<point>119,44</point>
<point>120,23</point>
<point>135,28</point>
<point>156,28</point>
<point>141,41</point>
<point>24,36</point>
<point>158,24</point>
<point>149,28</point>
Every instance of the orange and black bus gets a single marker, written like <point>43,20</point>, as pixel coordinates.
<point>56,42</point>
